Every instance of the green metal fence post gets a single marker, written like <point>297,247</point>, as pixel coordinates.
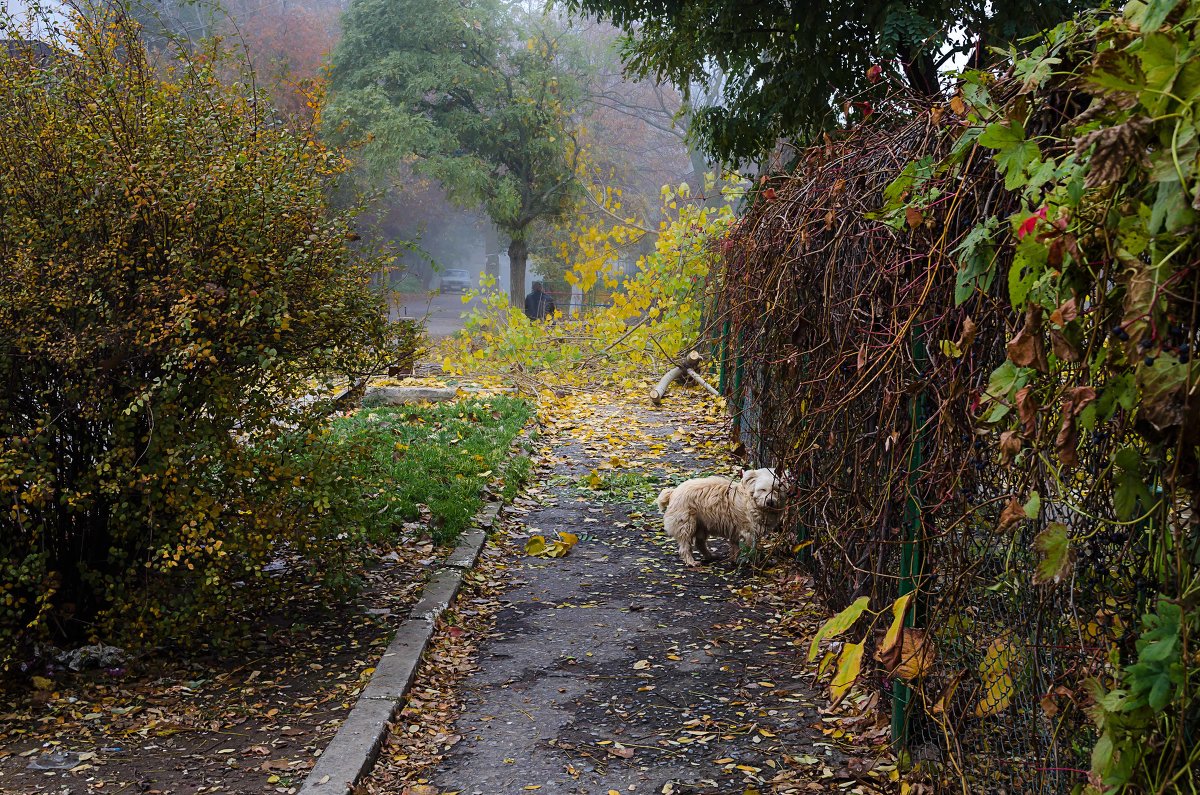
<point>739,405</point>
<point>723,379</point>
<point>911,561</point>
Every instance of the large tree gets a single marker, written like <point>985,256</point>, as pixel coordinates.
<point>788,65</point>
<point>475,93</point>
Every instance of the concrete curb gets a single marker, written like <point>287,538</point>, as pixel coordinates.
<point>353,751</point>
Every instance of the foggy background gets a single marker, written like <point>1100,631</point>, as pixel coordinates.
<point>636,134</point>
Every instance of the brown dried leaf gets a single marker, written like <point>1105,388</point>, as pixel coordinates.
<point>620,750</point>
<point>969,330</point>
<point>1079,397</point>
<point>1010,445</point>
<point>1021,348</point>
<point>910,657</point>
<point>1116,147</point>
<point>914,217</point>
<point>1027,409</point>
<point>943,702</point>
<point>1033,318</point>
<point>1026,348</point>
<point>1013,514</point>
<point>1066,312</point>
<point>1054,253</point>
<point>1067,441</point>
<point>1139,300</point>
<point>957,105</point>
<point>1063,348</point>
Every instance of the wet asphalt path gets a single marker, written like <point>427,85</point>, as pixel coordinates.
<point>617,669</point>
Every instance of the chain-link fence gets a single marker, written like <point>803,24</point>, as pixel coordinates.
<point>851,366</point>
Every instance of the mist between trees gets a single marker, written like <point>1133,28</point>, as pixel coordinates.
<point>469,125</point>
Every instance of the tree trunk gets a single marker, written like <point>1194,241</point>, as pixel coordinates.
<point>517,253</point>
<point>920,70</point>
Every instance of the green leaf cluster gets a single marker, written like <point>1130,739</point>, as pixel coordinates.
<point>1101,261</point>
<point>785,69</point>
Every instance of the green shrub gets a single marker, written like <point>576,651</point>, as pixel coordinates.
<point>173,280</point>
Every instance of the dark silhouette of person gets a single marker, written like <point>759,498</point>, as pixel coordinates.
<point>538,304</point>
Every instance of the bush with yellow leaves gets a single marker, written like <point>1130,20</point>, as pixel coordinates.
<point>174,280</point>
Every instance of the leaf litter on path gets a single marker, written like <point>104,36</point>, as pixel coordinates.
<point>615,667</point>
<point>244,722</point>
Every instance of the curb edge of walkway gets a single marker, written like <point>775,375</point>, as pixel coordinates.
<point>353,751</point>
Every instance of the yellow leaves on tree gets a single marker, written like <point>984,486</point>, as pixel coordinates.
<point>651,314</point>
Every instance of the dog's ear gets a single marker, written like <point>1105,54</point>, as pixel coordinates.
<point>749,475</point>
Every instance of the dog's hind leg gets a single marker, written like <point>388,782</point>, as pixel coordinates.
<point>683,529</point>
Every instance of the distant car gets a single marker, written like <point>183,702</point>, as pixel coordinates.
<point>456,281</point>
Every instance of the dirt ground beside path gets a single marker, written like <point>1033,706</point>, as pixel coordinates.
<point>615,668</point>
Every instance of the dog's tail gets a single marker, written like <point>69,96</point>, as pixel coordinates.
<point>664,498</point>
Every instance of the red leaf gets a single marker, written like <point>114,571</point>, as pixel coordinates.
<point>1030,223</point>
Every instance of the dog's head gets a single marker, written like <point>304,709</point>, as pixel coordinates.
<point>765,487</point>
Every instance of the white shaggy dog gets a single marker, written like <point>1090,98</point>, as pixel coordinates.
<point>739,511</point>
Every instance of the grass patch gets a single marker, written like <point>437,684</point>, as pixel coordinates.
<point>392,460</point>
<point>636,487</point>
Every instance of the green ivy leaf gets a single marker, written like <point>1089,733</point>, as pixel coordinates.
<point>1022,275</point>
<point>1159,57</point>
<point>998,135</point>
<point>1172,209</point>
<point>1002,381</point>
<point>1121,392</point>
<point>1153,14</point>
<point>1054,546</point>
<point>976,261</point>
<point>1014,155</point>
<point>1131,497</point>
<point>1033,506</point>
<point>1160,694</point>
<point>1102,752</point>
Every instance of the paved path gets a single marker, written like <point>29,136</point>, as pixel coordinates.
<point>617,669</point>
<point>442,313</point>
